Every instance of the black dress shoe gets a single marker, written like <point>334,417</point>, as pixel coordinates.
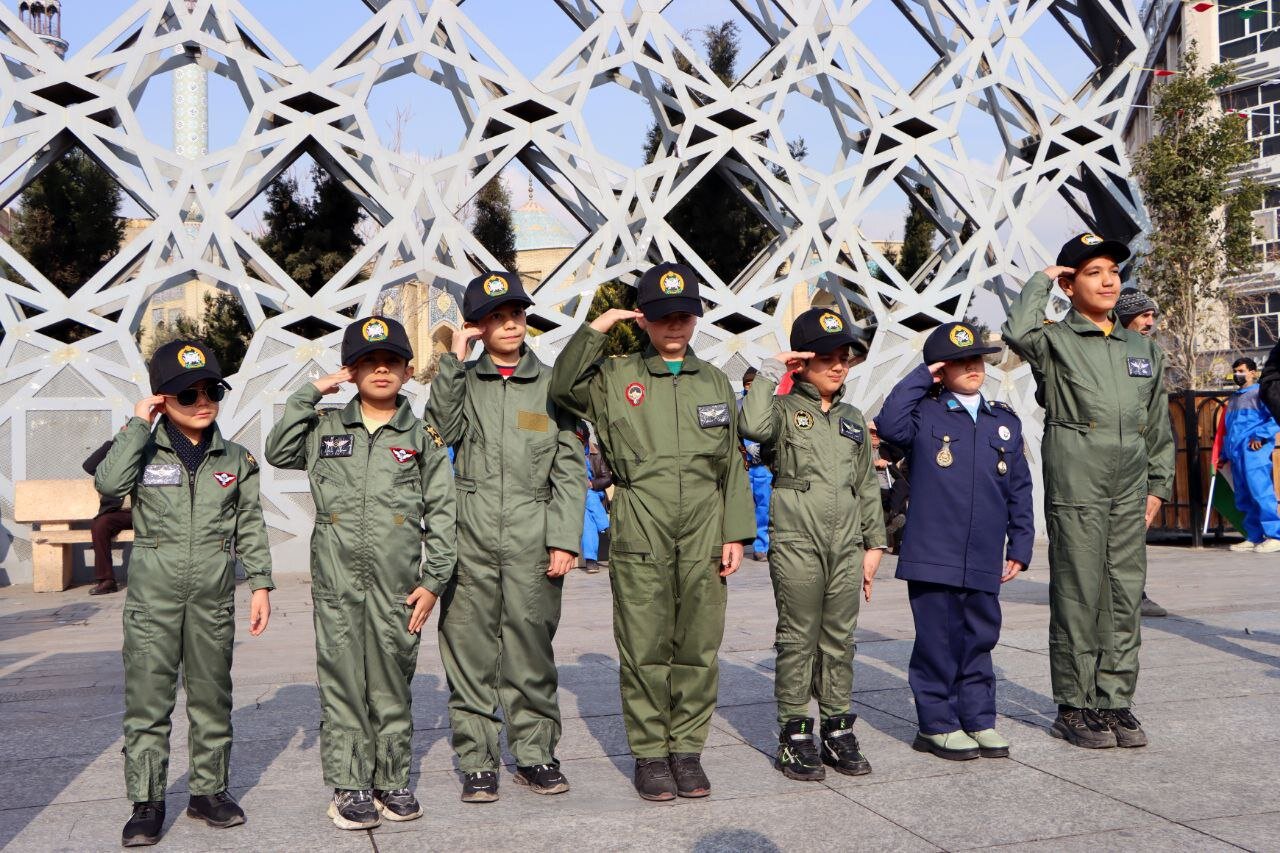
<point>104,588</point>
<point>145,826</point>
<point>219,810</point>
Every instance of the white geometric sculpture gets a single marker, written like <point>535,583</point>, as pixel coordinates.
<point>1060,141</point>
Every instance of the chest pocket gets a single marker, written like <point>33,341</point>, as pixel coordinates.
<point>542,454</point>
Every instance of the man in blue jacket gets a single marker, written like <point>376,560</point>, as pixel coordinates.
<point>1250,440</point>
<point>970,495</point>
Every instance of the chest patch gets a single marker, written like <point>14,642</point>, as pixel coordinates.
<point>635,393</point>
<point>1004,433</point>
<point>224,478</point>
<point>713,415</point>
<point>532,421</point>
<point>1140,367</point>
<point>402,454</point>
<point>333,446</point>
<point>803,420</point>
<point>167,474</point>
<point>851,431</point>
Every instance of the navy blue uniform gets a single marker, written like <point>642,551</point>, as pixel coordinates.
<point>970,494</point>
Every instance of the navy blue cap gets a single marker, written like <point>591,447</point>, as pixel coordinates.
<point>1087,246</point>
<point>821,330</point>
<point>370,334</point>
<point>179,364</point>
<point>952,341</point>
<point>489,290</point>
<point>668,288</point>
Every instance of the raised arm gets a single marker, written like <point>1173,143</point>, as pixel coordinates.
<point>898,420</point>
<point>1024,328</point>
<point>448,393</point>
<point>117,473</point>
<point>761,415</point>
<point>289,440</point>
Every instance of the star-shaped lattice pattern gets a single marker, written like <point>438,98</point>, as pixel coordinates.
<point>1059,140</point>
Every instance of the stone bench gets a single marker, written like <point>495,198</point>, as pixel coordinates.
<point>53,508</point>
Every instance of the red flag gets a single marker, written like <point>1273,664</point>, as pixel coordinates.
<point>1202,7</point>
<point>1219,433</point>
<point>1165,72</point>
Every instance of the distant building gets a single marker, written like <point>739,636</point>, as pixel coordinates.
<point>44,17</point>
<point>543,242</point>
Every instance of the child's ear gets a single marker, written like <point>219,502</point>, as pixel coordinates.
<point>643,323</point>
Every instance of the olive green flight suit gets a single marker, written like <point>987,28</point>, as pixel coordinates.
<point>374,495</point>
<point>1107,445</point>
<point>672,444</point>
<point>180,606</point>
<point>824,515</point>
<point>522,483</point>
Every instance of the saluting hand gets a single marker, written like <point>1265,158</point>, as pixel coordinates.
<point>730,558</point>
<point>259,611</point>
<point>330,384</point>
<point>935,370</point>
<point>870,565</point>
<point>1054,272</point>
<point>1153,508</point>
<point>149,408</point>
<point>612,317</point>
<point>463,339</point>
<point>1011,570</point>
<point>792,359</point>
<point>421,600</point>
<point>560,563</point>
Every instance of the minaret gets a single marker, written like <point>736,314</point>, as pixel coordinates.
<point>44,17</point>
<point>191,107</point>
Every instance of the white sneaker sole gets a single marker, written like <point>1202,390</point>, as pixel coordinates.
<point>392,816</point>
<point>342,823</point>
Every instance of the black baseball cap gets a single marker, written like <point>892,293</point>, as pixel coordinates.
<point>951,341</point>
<point>1087,246</point>
<point>370,334</point>
<point>489,290</point>
<point>668,288</point>
<point>179,364</point>
<point>821,330</point>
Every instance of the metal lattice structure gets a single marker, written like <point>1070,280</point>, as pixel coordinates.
<point>1059,142</point>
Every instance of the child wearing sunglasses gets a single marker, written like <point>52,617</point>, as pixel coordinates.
<point>195,511</point>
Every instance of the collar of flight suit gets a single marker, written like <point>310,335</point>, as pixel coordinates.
<point>952,404</point>
<point>658,366</point>
<point>1082,325</point>
<point>526,368</point>
<point>402,421</point>
<point>161,437</point>
<point>810,392</point>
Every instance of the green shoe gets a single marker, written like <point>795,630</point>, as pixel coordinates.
<point>990,744</point>
<point>953,746</point>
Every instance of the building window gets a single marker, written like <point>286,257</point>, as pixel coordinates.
<point>1239,36</point>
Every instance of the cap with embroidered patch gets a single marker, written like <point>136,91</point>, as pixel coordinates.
<point>668,288</point>
<point>370,334</point>
<point>179,364</point>
<point>952,341</point>
<point>1087,246</point>
<point>821,330</point>
<point>490,290</point>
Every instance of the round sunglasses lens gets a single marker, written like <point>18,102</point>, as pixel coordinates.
<point>187,397</point>
<point>216,393</point>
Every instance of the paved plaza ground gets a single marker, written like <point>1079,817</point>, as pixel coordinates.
<point>1208,697</point>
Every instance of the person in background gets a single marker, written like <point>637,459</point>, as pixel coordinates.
<point>1250,440</point>
<point>596,517</point>
<point>1137,313</point>
<point>891,471</point>
<point>112,519</point>
<point>761,480</point>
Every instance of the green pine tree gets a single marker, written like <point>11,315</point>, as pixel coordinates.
<point>623,338</point>
<point>918,232</point>
<point>311,239</point>
<point>492,224</point>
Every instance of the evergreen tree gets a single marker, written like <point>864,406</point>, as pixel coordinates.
<point>311,239</point>
<point>223,326</point>
<point>492,224</point>
<point>918,232</point>
<point>67,222</point>
<point>623,338</point>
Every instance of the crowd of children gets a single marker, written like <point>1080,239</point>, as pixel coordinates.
<point>492,534</point>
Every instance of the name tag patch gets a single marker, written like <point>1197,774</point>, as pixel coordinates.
<point>851,431</point>
<point>1140,367</point>
<point>332,446</point>
<point>533,421</point>
<point>713,415</point>
<point>162,475</point>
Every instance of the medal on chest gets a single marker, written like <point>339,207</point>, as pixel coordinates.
<point>1002,467</point>
<point>944,458</point>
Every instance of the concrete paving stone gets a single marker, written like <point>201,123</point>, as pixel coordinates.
<point>996,805</point>
<point>1166,838</point>
<point>1259,832</point>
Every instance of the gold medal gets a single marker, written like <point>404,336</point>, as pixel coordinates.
<point>1002,468</point>
<point>944,455</point>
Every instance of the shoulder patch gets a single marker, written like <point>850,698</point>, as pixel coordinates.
<point>1048,322</point>
<point>253,463</point>
<point>435,436</point>
<point>1000,404</point>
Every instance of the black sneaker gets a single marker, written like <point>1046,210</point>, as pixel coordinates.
<point>481,787</point>
<point>1150,609</point>
<point>1125,726</point>
<point>840,746</point>
<point>397,805</point>
<point>653,780</point>
<point>353,809</point>
<point>218,810</point>
<point>145,825</point>
<point>592,567</point>
<point>1082,727</point>
<point>691,781</point>
<point>797,756</point>
<point>542,778</point>
<point>104,588</point>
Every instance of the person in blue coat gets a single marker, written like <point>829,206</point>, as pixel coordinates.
<point>761,480</point>
<point>970,528</point>
<point>1250,440</point>
<point>595,519</point>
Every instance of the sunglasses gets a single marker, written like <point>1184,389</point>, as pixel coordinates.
<point>212,393</point>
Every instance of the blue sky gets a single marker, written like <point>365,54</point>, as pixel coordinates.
<point>531,33</point>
